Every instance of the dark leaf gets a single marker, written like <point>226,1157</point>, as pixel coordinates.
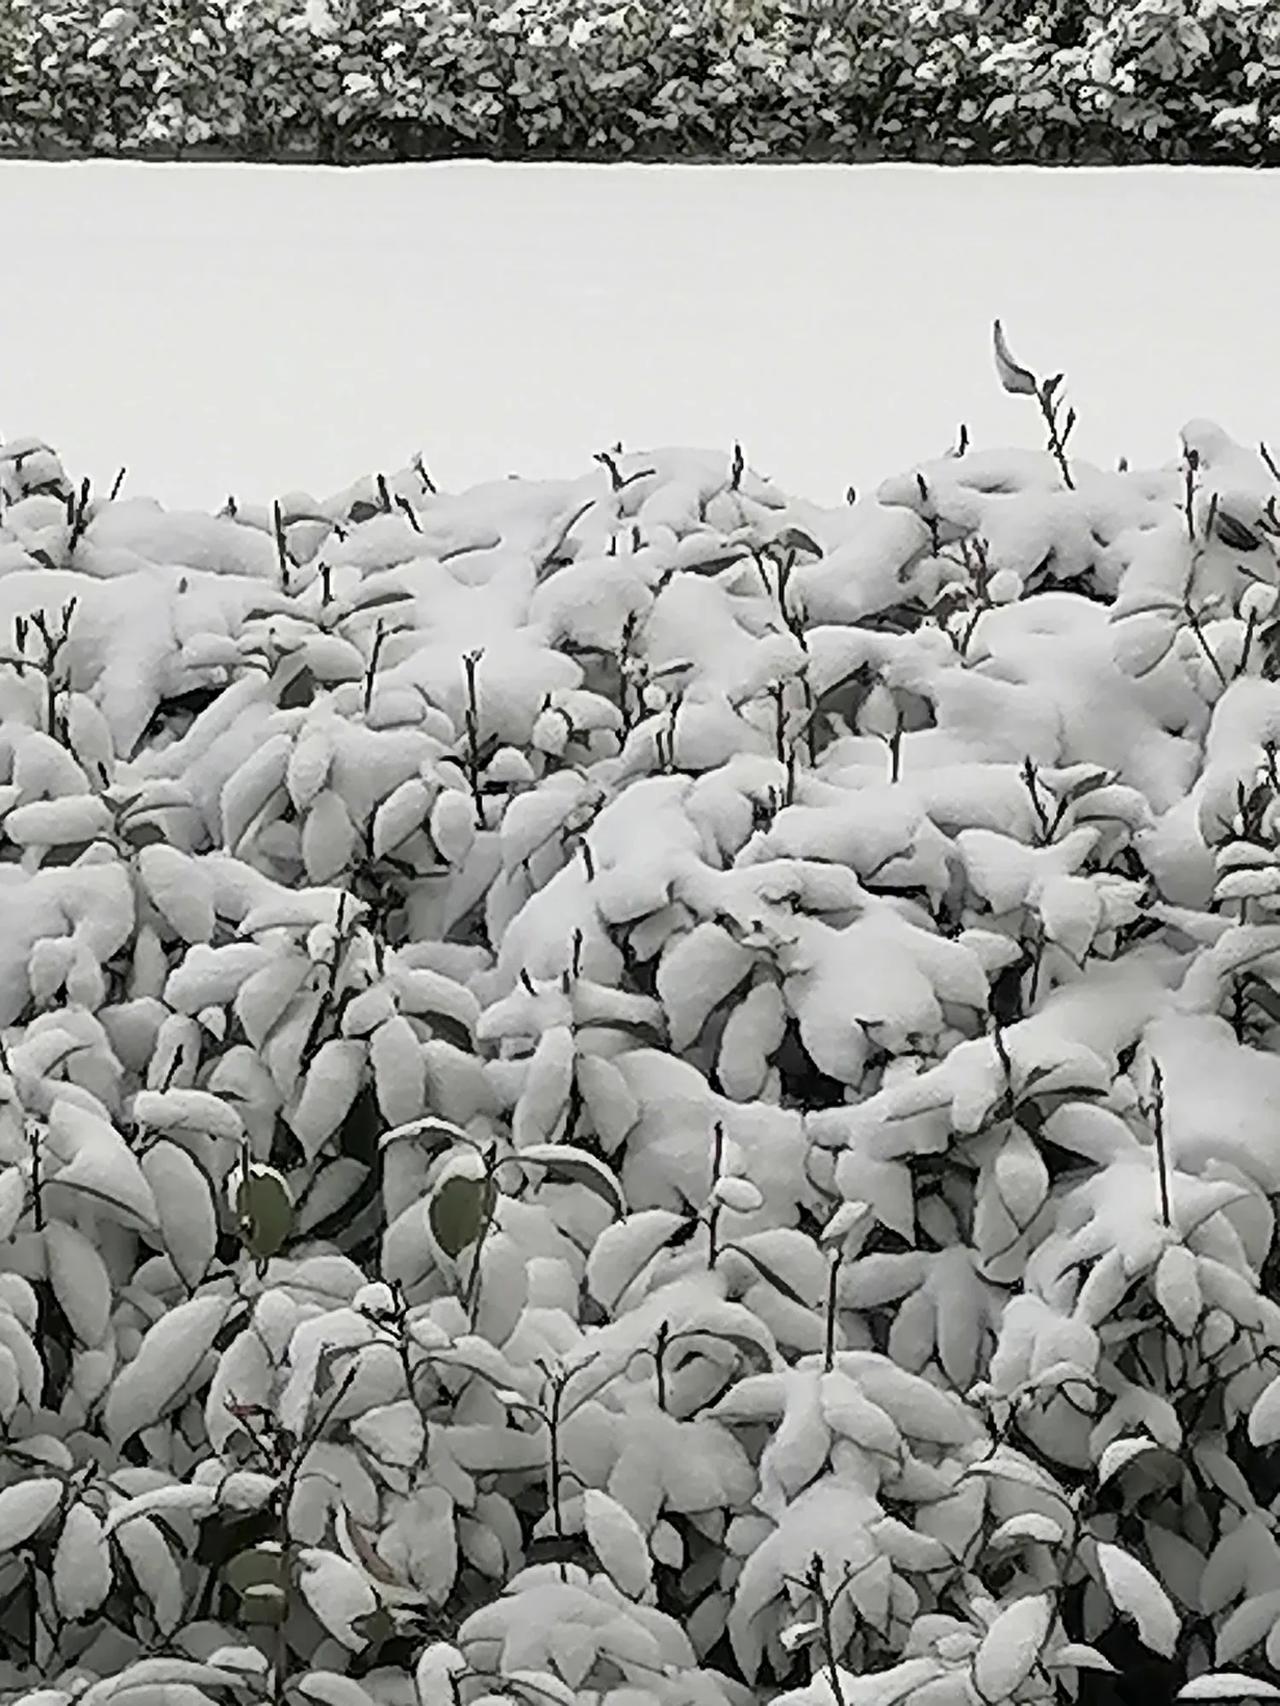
<point>66,854</point>
<point>1087,785</point>
<point>375,1626</point>
<point>458,1211</point>
<point>453,1031</point>
<point>1266,997</point>
<point>360,1130</point>
<point>377,600</point>
<point>795,538</point>
<point>263,1567</point>
<point>298,692</point>
<point>773,1277</point>
<point>264,1212</point>
<point>141,834</point>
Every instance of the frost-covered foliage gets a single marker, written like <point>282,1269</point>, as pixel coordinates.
<point>634,1090</point>
<point>952,79</point>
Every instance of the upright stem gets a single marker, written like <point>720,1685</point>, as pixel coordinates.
<point>713,1216</point>
<point>828,1642</point>
<point>553,1431</point>
<point>1162,1157</point>
<point>660,1362</point>
<point>379,635</point>
<point>471,1301</point>
<point>282,549</point>
<point>280,1661</point>
<point>37,1183</point>
<point>471,721</point>
<point>280,1657</point>
<point>833,1278</point>
<point>1057,442</point>
<point>33,1613</point>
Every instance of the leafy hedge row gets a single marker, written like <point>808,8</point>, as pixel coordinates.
<point>972,80</point>
<point>634,1091</point>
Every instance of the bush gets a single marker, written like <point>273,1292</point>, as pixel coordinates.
<point>633,1089</point>
<point>937,79</point>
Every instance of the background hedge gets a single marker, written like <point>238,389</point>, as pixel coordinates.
<point>947,80</point>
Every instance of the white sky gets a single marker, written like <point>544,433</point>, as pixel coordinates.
<point>256,329</point>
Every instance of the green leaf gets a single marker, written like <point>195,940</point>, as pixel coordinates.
<point>260,1567</point>
<point>458,1211</point>
<point>264,1211</point>
<point>375,1626</point>
<point>258,1578</point>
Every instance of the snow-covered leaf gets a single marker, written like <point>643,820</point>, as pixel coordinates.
<point>616,1539</point>
<point>170,1355</point>
<point>393,1433</point>
<point>80,1281</point>
<point>25,1507</point>
<point>1012,1646</point>
<point>82,1572</point>
<point>1120,1453</point>
<point>1264,1418</point>
<point>1228,1685</point>
<point>1136,1593</point>
<point>340,1595</point>
<point>563,1164</point>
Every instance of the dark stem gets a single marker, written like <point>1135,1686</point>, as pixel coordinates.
<point>1162,1158</point>
<point>471,1300</point>
<point>833,1278</point>
<point>553,1430</point>
<point>33,1137</point>
<point>379,635</point>
<point>828,1642</point>
<point>660,1362</point>
<point>713,1217</point>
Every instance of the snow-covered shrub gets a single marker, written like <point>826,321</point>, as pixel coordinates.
<point>633,1089</point>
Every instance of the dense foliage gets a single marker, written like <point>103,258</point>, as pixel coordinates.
<point>972,80</point>
<point>636,1090</point>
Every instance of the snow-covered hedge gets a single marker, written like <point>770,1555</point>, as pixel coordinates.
<point>635,1090</point>
<point>957,79</point>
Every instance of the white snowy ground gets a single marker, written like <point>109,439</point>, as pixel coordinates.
<point>257,329</point>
